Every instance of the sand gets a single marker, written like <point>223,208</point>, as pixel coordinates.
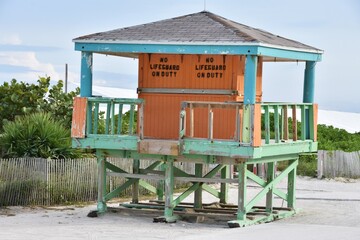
<point>330,209</point>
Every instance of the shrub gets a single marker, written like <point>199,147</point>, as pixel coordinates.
<point>37,135</point>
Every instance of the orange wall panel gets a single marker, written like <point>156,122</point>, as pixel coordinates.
<point>79,118</point>
<point>188,72</point>
<point>161,116</point>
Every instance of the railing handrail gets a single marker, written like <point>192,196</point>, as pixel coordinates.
<point>115,100</point>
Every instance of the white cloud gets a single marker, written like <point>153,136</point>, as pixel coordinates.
<point>29,60</point>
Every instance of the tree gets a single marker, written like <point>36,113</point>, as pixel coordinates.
<point>37,135</point>
<point>19,98</point>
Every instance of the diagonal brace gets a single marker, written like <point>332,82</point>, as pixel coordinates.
<point>271,184</point>
<point>262,183</point>
<point>195,186</point>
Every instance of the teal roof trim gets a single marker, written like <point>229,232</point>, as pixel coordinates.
<point>127,49</point>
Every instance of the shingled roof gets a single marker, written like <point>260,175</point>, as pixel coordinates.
<point>198,28</point>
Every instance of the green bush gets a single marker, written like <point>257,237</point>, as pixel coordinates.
<point>37,135</point>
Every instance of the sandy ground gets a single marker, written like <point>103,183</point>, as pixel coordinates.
<point>330,209</point>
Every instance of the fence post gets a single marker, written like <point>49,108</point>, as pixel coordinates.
<point>320,164</point>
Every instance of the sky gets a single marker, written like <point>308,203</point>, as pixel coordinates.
<point>36,40</point>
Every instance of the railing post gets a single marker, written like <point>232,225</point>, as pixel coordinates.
<point>303,123</point>
<point>276,124</point>
<point>141,121</point>
<point>285,125</point>
<point>112,117</point>
<point>267,124</point>
<point>131,120</point>
<point>182,123</point>
<point>294,123</point>
<point>96,118</point>
<point>89,118</point>
<point>107,120</point>
<point>237,124</point>
<point>119,123</point>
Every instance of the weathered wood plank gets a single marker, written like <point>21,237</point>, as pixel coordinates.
<point>163,147</point>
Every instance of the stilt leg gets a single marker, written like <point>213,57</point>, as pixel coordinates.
<point>135,189</point>
<point>224,187</point>
<point>160,185</point>
<point>198,192</point>
<point>169,192</point>
<point>101,204</point>
<point>291,186</point>
<point>269,178</point>
<point>241,213</point>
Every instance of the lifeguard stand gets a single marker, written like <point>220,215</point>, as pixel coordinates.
<point>199,101</point>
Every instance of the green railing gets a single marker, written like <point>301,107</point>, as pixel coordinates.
<point>210,106</point>
<point>114,116</point>
<point>280,122</point>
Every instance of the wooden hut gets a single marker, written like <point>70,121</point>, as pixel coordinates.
<point>199,101</point>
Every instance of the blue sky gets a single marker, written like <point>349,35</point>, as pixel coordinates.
<point>36,40</point>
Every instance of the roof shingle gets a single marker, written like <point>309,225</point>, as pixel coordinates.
<point>202,28</point>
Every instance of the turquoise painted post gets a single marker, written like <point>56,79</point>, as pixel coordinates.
<point>309,82</point>
<point>308,92</point>
<point>86,74</point>
<point>249,95</point>
<point>250,79</point>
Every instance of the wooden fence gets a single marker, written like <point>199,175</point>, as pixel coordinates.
<point>36,181</point>
<point>333,164</point>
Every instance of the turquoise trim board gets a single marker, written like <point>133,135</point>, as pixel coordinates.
<point>198,49</point>
<point>250,79</point>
